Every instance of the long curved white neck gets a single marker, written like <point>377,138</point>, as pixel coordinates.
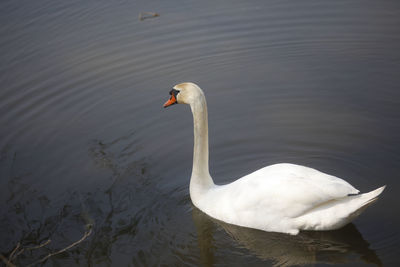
<point>201,179</point>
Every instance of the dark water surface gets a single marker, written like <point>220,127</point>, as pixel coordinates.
<point>84,141</point>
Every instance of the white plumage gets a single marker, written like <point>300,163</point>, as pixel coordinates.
<point>279,198</point>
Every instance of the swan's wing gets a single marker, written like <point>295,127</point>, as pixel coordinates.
<point>289,190</point>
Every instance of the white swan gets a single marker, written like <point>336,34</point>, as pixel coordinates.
<point>283,197</point>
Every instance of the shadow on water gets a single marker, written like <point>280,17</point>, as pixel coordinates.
<point>345,245</point>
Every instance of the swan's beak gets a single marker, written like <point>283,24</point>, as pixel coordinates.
<point>171,101</point>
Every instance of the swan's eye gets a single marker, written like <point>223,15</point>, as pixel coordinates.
<point>174,92</point>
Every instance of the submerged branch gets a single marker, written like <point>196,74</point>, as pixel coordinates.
<point>39,246</point>
<point>18,249</point>
<point>6,261</point>
<point>10,258</point>
<point>86,234</point>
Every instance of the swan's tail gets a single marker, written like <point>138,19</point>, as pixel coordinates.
<point>338,212</point>
<point>364,200</point>
<point>353,206</point>
<point>371,196</point>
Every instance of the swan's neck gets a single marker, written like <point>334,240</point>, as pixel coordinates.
<point>201,179</point>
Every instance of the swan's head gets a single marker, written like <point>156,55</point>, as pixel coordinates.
<point>184,93</point>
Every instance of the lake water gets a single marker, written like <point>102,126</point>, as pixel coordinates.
<point>85,142</point>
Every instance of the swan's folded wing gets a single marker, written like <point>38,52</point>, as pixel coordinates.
<point>286,189</point>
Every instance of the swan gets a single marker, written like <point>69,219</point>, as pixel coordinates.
<point>283,197</point>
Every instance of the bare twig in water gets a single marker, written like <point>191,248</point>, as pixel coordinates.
<point>85,235</point>
<point>39,246</point>
<point>10,258</point>
<point>6,261</point>
<point>18,250</point>
<point>147,15</point>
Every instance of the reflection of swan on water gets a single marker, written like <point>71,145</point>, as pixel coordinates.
<point>345,245</point>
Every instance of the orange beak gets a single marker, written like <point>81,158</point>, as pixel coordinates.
<point>171,101</point>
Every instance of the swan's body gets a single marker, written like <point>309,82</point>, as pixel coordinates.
<point>279,198</point>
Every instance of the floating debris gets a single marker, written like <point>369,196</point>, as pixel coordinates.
<point>147,15</point>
